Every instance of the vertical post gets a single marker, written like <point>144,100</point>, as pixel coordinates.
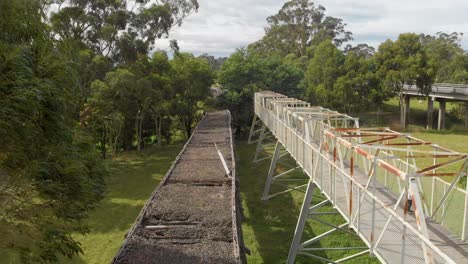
<point>260,141</point>
<point>295,245</point>
<point>433,182</point>
<point>407,110</point>
<point>430,112</point>
<point>372,237</point>
<point>403,244</point>
<point>252,127</point>
<point>419,214</point>
<point>465,215</point>
<point>441,121</point>
<point>271,171</point>
<point>351,173</point>
<point>443,205</point>
<point>466,114</point>
<point>358,216</point>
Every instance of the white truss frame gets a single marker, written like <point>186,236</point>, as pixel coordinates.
<point>299,128</point>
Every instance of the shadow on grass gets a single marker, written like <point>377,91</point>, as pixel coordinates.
<point>268,227</point>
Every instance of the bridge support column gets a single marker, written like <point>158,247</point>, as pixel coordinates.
<point>296,243</point>
<point>404,111</point>
<point>430,112</point>
<point>441,120</point>
<point>280,178</point>
<point>407,110</point>
<point>466,114</point>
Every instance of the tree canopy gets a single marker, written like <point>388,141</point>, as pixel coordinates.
<point>77,83</point>
<point>299,25</point>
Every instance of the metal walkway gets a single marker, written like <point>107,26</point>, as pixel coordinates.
<point>369,175</point>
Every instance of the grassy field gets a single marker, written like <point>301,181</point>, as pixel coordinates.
<point>132,179</point>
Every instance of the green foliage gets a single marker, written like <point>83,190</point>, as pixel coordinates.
<point>322,72</point>
<point>342,82</point>
<point>445,51</point>
<point>192,78</point>
<point>73,81</point>
<point>359,88</point>
<point>405,61</point>
<point>50,174</point>
<point>300,24</point>
<point>119,29</point>
<point>246,72</point>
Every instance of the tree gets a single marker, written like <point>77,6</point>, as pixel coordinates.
<point>361,49</point>
<point>215,63</point>
<point>300,24</point>
<point>443,49</point>
<point>50,175</point>
<point>359,88</point>
<point>192,78</point>
<point>240,77</point>
<point>405,61</point>
<point>119,29</point>
<point>323,71</point>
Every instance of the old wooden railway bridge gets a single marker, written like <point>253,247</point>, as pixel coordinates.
<point>193,216</point>
<point>368,175</point>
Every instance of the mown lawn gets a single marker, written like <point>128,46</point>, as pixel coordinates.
<point>132,179</point>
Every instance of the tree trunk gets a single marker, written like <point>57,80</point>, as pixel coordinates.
<point>156,128</point>
<point>138,127</point>
<point>402,111</point>
<point>159,131</point>
<point>188,127</point>
<point>103,143</point>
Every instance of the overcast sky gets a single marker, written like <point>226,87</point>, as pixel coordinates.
<point>221,26</point>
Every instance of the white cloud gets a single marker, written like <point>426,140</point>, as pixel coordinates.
<point>221,26</point>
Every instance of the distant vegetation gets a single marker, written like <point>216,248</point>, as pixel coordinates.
<point>305,54</point>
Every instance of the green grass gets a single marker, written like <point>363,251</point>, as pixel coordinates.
<point>268,228</point>
<point>132,179</point>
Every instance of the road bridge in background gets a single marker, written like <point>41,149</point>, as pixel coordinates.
<point>442,93</point>
<point>369,175</point>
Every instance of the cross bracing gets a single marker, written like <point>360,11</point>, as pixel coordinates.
<point>369,175</point>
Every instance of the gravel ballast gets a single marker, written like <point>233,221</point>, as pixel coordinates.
<point>193,215</point>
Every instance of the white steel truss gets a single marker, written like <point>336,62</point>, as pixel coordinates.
<point>351,166</point>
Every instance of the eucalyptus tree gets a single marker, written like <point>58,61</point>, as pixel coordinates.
<point>114,28</point>
<point>300,24</point>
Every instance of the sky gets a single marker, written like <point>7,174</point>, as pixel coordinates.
<point>221,26</point>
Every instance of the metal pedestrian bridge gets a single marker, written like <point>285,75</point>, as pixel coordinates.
<point>369,175</point>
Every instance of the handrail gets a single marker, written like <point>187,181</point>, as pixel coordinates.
<point>285,134</point>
